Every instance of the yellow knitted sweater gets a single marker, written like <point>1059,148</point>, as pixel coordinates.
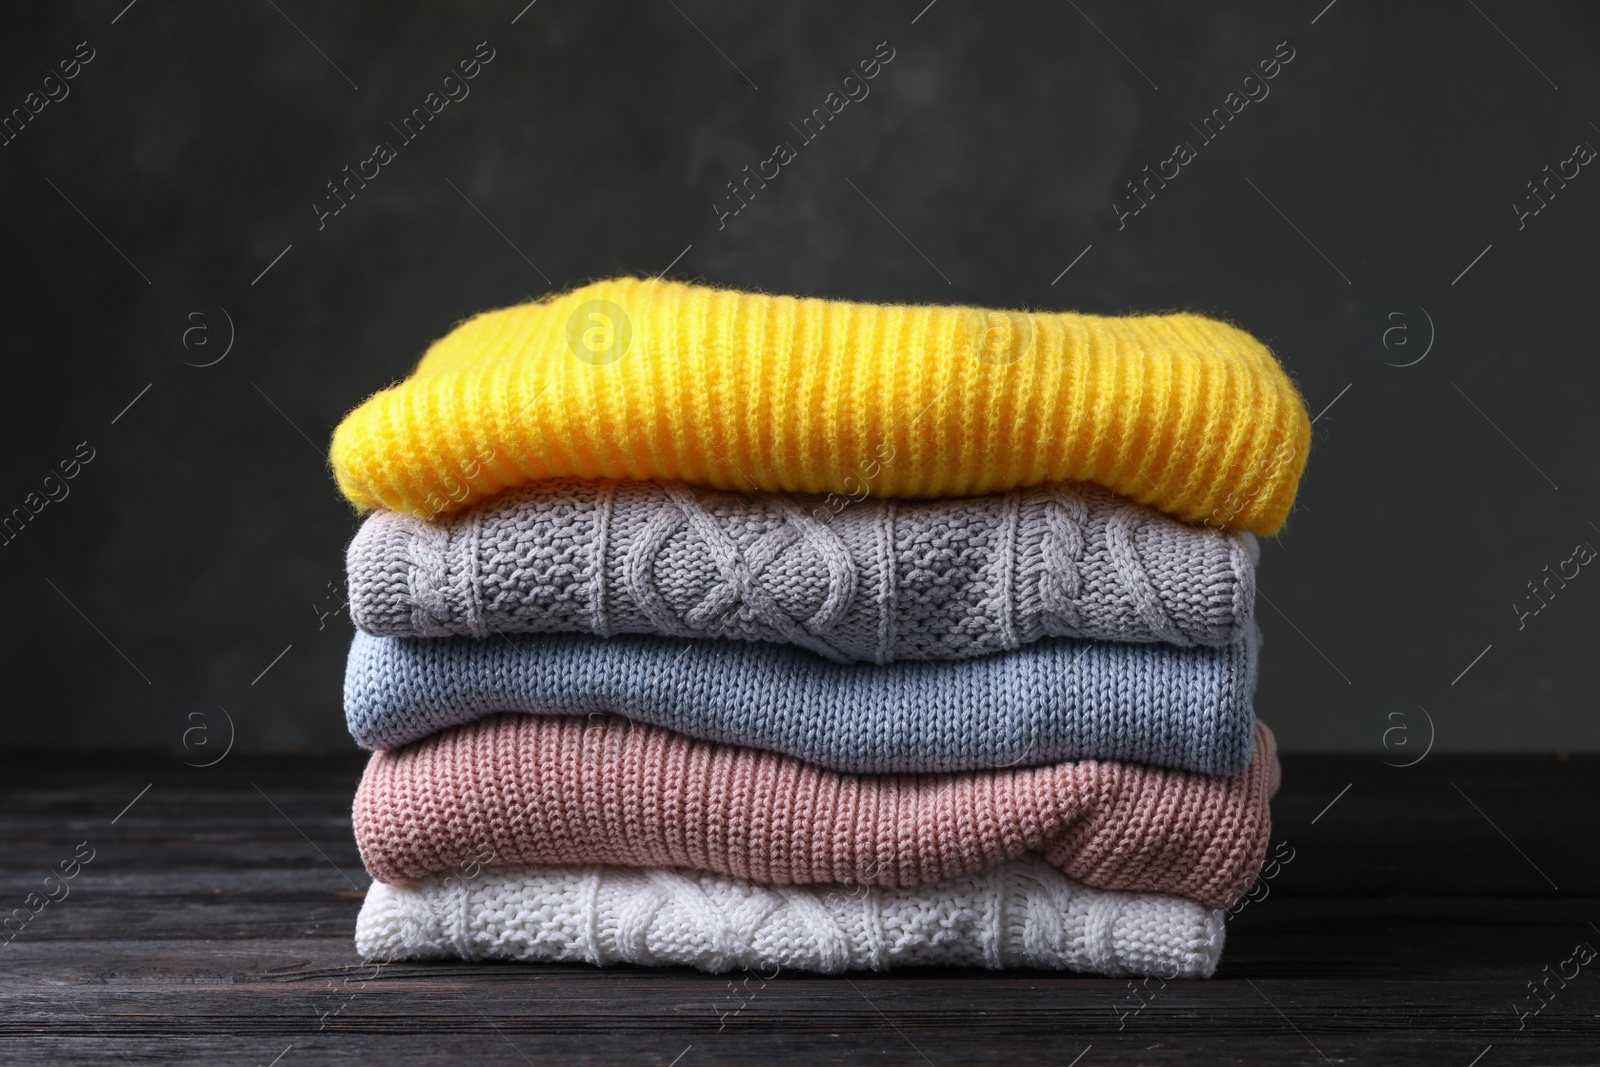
<point>660,380</point>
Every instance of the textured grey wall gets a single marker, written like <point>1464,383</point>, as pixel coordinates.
<point>1345,198</point>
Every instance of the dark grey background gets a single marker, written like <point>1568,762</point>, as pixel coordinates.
<point>206,534</point>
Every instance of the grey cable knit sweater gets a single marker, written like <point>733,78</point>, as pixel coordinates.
<point>881,581</point>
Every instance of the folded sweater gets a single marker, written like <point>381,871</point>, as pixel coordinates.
<point>1022,913</point>
<point>876,582</point>
<point>1056,699</point>
<point>661,381</point>
<point>528,790</point>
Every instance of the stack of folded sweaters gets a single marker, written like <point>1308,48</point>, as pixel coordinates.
<point>711,628</point>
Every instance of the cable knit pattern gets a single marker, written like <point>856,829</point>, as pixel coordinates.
<point>520,789</point>
<point>1022,913</point>
<point>1057,699</point>
<point>877,582</point>
<point>662,381</point>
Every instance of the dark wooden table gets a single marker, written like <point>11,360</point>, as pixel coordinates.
<point>212,925</point>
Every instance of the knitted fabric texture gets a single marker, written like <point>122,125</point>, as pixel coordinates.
<point>1022,913</point>
<point>519,789</point>
<point>877,582</point>
<point>1057,699</point>
<point>661,381</point>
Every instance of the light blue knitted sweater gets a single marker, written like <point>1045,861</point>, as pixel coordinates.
<point>1055,700</point>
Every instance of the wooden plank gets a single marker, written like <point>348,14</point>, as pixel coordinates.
<point>213,926</point>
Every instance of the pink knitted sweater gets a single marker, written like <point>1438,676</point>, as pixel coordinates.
<point>531,789</point>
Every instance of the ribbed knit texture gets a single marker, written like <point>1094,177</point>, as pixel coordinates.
<point>1022,913</point>
<point>751,392</point>
<point>520,789</point>
<point>877,582</point>
<point>1053,700</point>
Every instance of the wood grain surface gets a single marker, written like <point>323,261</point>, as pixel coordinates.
<point>213,926</point>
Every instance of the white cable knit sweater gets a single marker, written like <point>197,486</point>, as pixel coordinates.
<point>1023,913</point>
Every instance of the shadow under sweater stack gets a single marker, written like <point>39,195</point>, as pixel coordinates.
<point>709,628</point>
